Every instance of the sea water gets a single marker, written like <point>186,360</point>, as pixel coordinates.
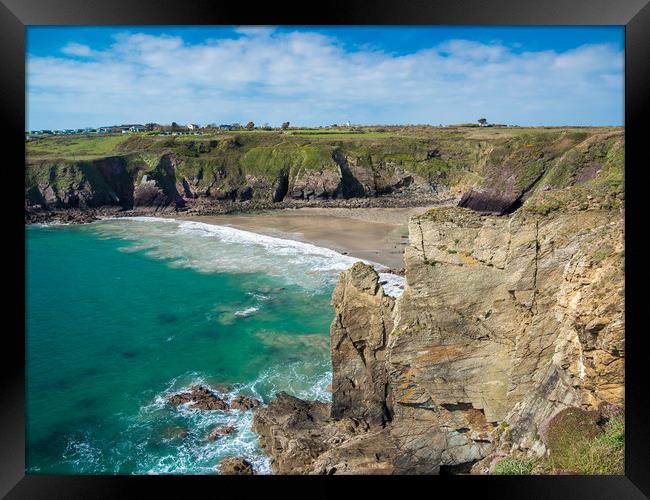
<point>121,313</point>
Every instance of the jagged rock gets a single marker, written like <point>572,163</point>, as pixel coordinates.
<point>236,466</point>
<point>159,187</point>
<point>366,453</point>
<point>244,403</point>
<point>504,322</point>
<point>489,202</point>
<point>323,184</point>
<point>291,431</point>
<point>302,438</point>
<point>358,336</point>
<point>606,411</point>
<point>486,466</point>
<point>508,342</point>
<point>201,398</point>
<point>217,432</point>
<point>147,193</point>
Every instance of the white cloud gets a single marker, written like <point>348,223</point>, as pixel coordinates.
<point>308,78</point>
<point>77,49</point>
<point>255,30</point>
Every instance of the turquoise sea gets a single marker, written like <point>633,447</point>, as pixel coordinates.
<point>122,312</point>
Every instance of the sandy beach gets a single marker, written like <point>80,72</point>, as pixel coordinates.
<point>374,234</point>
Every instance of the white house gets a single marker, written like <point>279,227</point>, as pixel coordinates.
<point>193,126</point>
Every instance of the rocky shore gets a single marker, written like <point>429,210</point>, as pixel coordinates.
<point>505,323</point>
<point>37,214</point>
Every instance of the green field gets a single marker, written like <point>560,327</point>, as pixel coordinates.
<point>80,147</point>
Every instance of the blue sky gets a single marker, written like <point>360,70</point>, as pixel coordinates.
<point>93,76</point>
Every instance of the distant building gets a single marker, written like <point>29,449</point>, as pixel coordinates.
<point>105,130</point>
<point>137,128</point>
<point>225,127</point>
<point>193,126</point>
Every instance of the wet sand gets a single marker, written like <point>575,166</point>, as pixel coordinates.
<point>374,234</point>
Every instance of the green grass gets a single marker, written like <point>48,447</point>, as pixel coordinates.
<point>514,467</point>
<point>602,454</point>
<point>602,253</point>
<point>543,205</point>
<point>285,157</point>
<point>75,148</point>
<point>576,444</point>
<point>361,134</point>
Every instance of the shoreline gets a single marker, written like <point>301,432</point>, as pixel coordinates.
<point>367,229</point>
<point>37,213</point>
<point>373,234</point>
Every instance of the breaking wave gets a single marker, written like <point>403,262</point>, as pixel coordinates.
<point>211,248</point>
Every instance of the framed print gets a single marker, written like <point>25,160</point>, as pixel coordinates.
<point>346,246</point>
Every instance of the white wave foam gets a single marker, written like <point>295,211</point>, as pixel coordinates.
<point>392,283</point>
<point>246,312</point>
<point>194,454</point>
<point>303,381</point>
<point>259,296</point>
<point>54,224</point>
<point>83,454</point>
<point>227,249</point>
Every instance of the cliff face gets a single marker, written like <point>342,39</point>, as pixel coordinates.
<point>502,167</point>
<point>507,320</point>
<point>504,322</point>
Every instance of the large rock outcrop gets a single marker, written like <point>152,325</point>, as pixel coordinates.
<point>159,187</point>
<point>504,322</point>
<point>360,382</point>
<point>508,320</point>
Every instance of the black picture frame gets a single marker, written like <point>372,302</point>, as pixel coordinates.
<point>633,14</point>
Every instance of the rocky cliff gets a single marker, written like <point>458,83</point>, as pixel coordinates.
<point>504,322</point>
<point>502,167</point>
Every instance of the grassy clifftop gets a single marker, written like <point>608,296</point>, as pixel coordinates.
<point>379,159</point>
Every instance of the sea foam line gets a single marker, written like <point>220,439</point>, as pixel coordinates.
<point>393,284</point>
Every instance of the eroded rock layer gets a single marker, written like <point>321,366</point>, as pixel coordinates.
<point>504,322</point>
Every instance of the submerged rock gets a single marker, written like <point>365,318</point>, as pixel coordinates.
<point>236,466</point>
<point>244,403</point>
<point>200,398</point>
<point>217,432</point>
<point>316,343</point>
<point>174,433</point>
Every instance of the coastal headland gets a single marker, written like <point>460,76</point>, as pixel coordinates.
<point>507,342</point>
